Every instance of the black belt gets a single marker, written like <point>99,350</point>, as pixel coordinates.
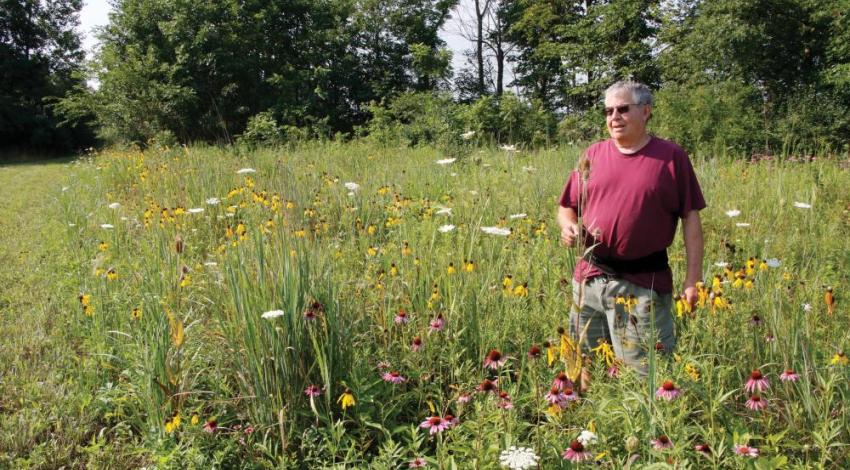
<point>650,263</point>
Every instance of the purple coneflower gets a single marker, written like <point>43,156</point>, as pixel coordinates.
<point>614,371</point>
<point>401,317</point>
<point>211,426</point>
<point>756,382</point>
<point>487,385</point>
<point>418,462</point>
<point>789,376</point>
<point>576,453</point>
<point>393,377</point>
<point>663,442</point>
<point>562,381</point>
<point>313,390</point>
<point>746,451</point>
<point>451,420</point>
<point>756,403</point>
<point>570,394</point>
<point>464,398</point>
<point>704,449</point>
<point>556,396</point>
<point>494,359</point>
<point>668,391</point>
<point>438,323</point>
<point>416,344</point>
<point>534,352</point>
<point>435,424</point>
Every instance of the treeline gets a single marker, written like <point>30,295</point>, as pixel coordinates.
<point>763,76</point>
<point>40,62</point>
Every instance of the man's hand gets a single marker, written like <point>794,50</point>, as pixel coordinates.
<point>691,295</point>
<point>569,233</point>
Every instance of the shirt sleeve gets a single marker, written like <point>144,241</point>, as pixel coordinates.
<point>690,194</point>
<point>569,196</point>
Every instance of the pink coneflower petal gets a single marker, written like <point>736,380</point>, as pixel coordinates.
<point>663,442</point>
<point>756,403</point>
<point>495,359</point>
<point>555,396</point>
<point>464,398</point>
<point>416,344</point>
<point>667,391</point>
<point>418,462</point>
<point>438,323</point>
<point>757,382</point>
<point>562,381</point>
<point>434,424</point>
<point>393,377</point>
<point>704,449</point>
<point>487,385</point>
<point>211,426</point>
<point>313,390</point>
<point>570,394</point>
<point>576,453</point>
<point>789,376</point>
<point>746,451</point>
<point>401,318</point>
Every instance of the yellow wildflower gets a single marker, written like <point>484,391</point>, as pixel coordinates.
<point>393,270</point>
<point>185,280</point>
<point>468,266</point>
<point>103,246</point>
<point>371,251</point>
<point>85,300</point>
<point>346,399</point>
<point>692,371</point>
<point>405,249</point>
<point>195,420</point>
<point>839,359</point>
<point>521,290</point>
<point>136,313</point>
<point>451,269</point>
<point>604,351</point>
<point>551,353</point>
<point>111,275</point>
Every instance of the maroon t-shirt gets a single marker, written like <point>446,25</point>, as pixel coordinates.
<point>632,204</point>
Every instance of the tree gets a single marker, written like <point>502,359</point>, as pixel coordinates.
<point>40,56</point>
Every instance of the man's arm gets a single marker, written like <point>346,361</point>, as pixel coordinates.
<point>692,230</point>
<point>568,220</point>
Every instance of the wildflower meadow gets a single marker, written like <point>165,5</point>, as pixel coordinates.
<point>350,305</point>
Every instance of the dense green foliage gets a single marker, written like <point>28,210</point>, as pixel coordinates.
<point>40,60</point>
<point>755,76</point>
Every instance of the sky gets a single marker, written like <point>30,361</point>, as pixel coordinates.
<point>96,13</point>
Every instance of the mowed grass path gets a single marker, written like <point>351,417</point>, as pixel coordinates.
<point>46,414</point>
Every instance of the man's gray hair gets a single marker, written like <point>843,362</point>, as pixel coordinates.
<point>641,93</point>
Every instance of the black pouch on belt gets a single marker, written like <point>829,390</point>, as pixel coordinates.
<point>650,263</point>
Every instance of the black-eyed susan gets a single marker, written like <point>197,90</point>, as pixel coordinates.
<point>111,274</point>
<point>450,269</point>
<point>839,359</point>
<point>103,246</point>
<point>346,400</point>
<point>136,313</point>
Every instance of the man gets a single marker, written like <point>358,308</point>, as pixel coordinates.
<point>623,205</point>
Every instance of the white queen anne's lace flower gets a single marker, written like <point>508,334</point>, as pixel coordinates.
<point>501,231</point>
<point>352,186</point>
<point>802,205</point>
<point>587,438</point>
<point>244,171</point>
<point>446,161</point>
<point>446,228</point>
<point>518,458</point>
<point>733,213</point>
<point>271,314</point>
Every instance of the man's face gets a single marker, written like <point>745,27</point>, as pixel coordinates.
<point>628,126</point>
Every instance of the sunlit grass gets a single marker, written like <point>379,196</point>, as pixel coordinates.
<point>205,241</point>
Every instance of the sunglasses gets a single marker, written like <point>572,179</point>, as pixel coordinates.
<point>620,109</point>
